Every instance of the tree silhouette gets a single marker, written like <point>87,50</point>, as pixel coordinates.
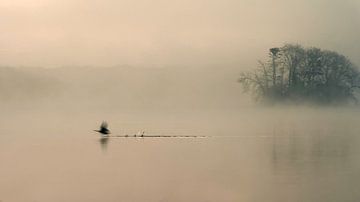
<point>294,73</point>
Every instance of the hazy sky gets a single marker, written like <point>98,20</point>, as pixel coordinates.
<point>170,32</point>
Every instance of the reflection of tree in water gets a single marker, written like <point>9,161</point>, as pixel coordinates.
<point>297,152</point>
<point>104,142</point>
<point>333,146</point>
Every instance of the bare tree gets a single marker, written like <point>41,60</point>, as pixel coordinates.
<point>303,73</point>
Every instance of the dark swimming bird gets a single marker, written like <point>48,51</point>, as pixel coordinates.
<point>103,129</point>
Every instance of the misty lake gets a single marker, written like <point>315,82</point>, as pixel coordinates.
<point>252,155</point>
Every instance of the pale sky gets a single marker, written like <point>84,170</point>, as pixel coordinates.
<point>53,33</point>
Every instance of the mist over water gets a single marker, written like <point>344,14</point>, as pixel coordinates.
<point>49,151</point>
<point>169,68</point>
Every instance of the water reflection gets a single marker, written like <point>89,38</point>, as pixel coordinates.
<point>296,153</point>
<point>104,141</point>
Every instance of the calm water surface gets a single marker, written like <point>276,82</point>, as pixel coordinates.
<point>251,156</point>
